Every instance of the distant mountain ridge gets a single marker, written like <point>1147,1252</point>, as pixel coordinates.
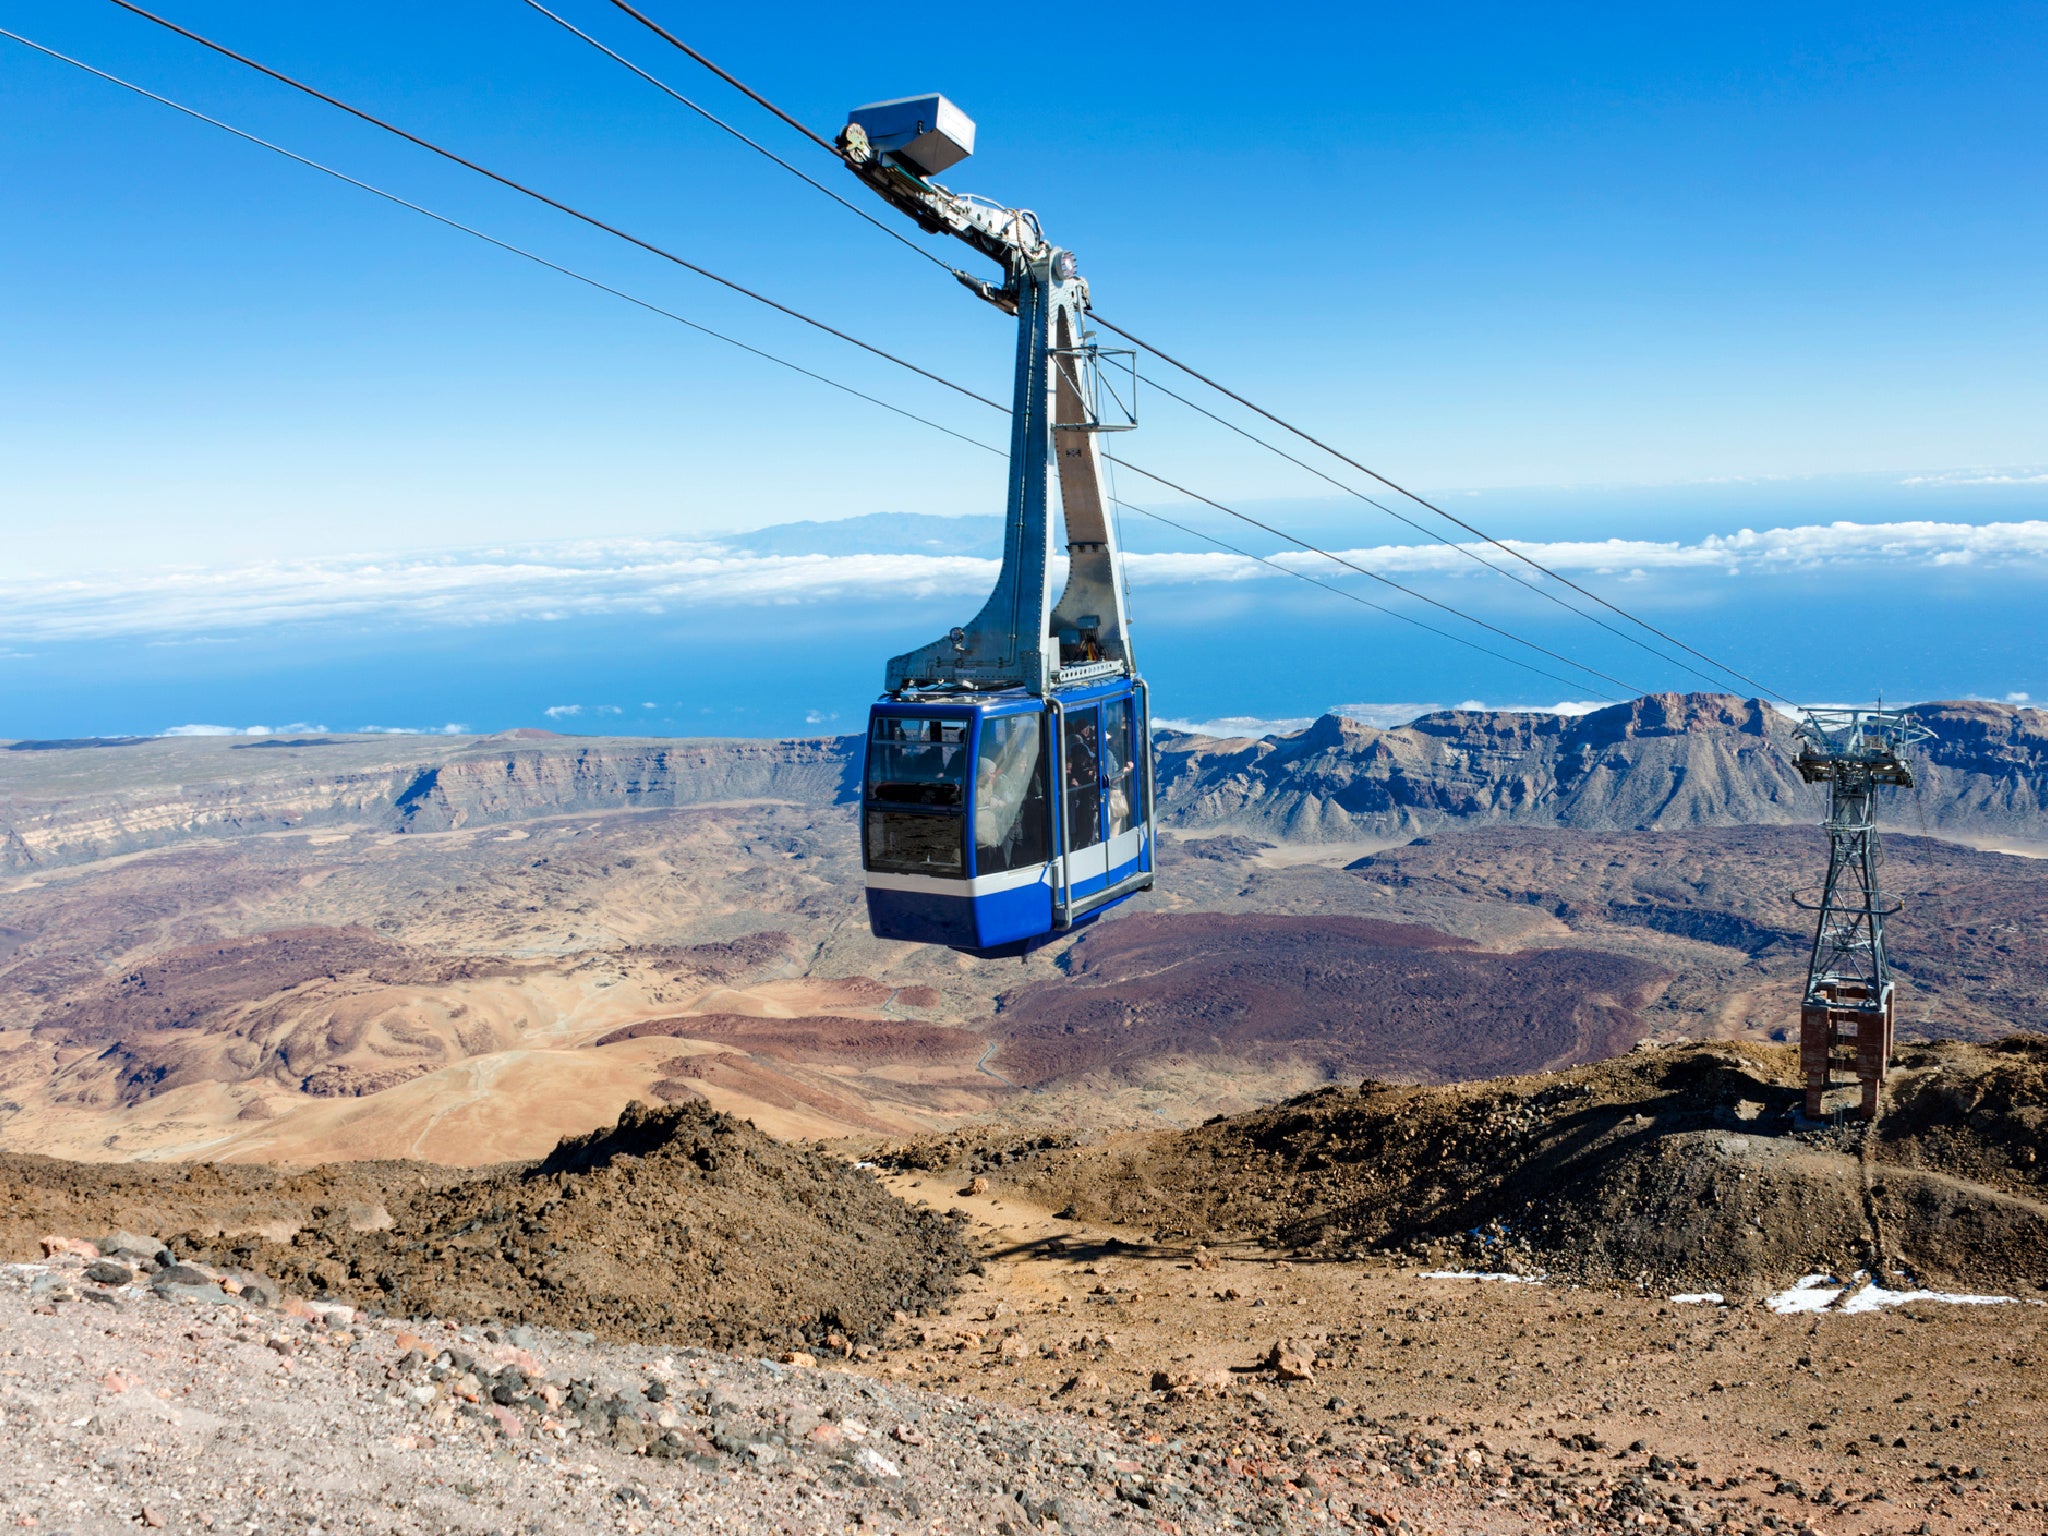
<point>1660,761</point>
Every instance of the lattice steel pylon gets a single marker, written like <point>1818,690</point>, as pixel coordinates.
<point>1846,1017</point>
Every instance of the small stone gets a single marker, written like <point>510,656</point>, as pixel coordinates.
<point>1204,1259</point>
<point>109,1272</point>
<point>77,1248</point>
<point>151,1518</point>
<point>1291,1360</point>
<point>799,1357</point>
<point>975,1186</point>
<point>133,1246</point>
<point>875,1464</point>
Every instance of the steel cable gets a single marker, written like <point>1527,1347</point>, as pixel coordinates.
<point>1285,570</point>
<point>1385,581</point>
<point>541,197</point>
<point>759,148</point>
<point>732,80</point>
<point>1426,531</point>
<point>503,245</point>
<point>1165,357</point>
<point>130,6</point>
<point>1398,489</point>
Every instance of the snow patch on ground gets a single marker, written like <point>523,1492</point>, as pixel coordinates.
<point>1824,1293</point>
<point>1477,1274</point>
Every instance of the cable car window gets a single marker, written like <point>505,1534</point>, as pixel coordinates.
<point>917,842</point>
<point>917,761</point>
<point>1084,778</point>
<point>1119,771</point>
<point>1010,826</point>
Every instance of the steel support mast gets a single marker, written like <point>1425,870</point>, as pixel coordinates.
<point>1021,637</point>
<point>1846,1018</point>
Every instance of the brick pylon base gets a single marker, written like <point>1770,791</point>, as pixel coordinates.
<point>1845,1027</point>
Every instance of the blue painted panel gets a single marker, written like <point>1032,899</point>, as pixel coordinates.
<point>1004,917</point>
<point>921,918</point>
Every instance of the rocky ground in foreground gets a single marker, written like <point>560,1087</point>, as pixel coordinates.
<point>1269,1323</point>
<point>1092,1382</point>
<point>175,1401</point>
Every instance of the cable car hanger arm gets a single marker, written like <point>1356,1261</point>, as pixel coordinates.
<point>898,161</point>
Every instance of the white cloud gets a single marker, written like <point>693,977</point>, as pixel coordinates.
<point>2018,698</point>
<point>560,711</point>
<point>296,728</point>
<point>1561,707</point>
<point>1980,477</point>
<point>1385,717</point>
<point>1237,725</point>
<point>590,578</point>
<point>412,730</point>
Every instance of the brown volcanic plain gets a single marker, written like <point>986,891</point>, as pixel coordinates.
<point>465,950</point>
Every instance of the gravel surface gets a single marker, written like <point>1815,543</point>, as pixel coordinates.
<point>167,1402</point>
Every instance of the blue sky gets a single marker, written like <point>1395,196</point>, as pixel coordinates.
<point>1620,271</point>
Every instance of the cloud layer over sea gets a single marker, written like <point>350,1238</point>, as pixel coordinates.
<point>582,578</point>
<point>784,630</point>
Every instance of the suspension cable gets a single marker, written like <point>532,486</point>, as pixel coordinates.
<point>759,148</point>
<point>737,84</point>
<point>1433,507</point>
<point>1427,532</point>
<point>1285,570</point>
<point>555,203</point>
<point>1385,581</point>
<point>493,240</point>
<point>1391,485</point>
<point>130,6</point>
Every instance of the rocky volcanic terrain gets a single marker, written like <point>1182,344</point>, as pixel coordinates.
<point>1077,1373</point>
<point>463,950</point>
<point>1662,761</point>
<point>1665,760</point>
<point>1681,1168</point>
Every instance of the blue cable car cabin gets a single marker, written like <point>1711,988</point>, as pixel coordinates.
<point>1007,791</point>
<point>993,819</point>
